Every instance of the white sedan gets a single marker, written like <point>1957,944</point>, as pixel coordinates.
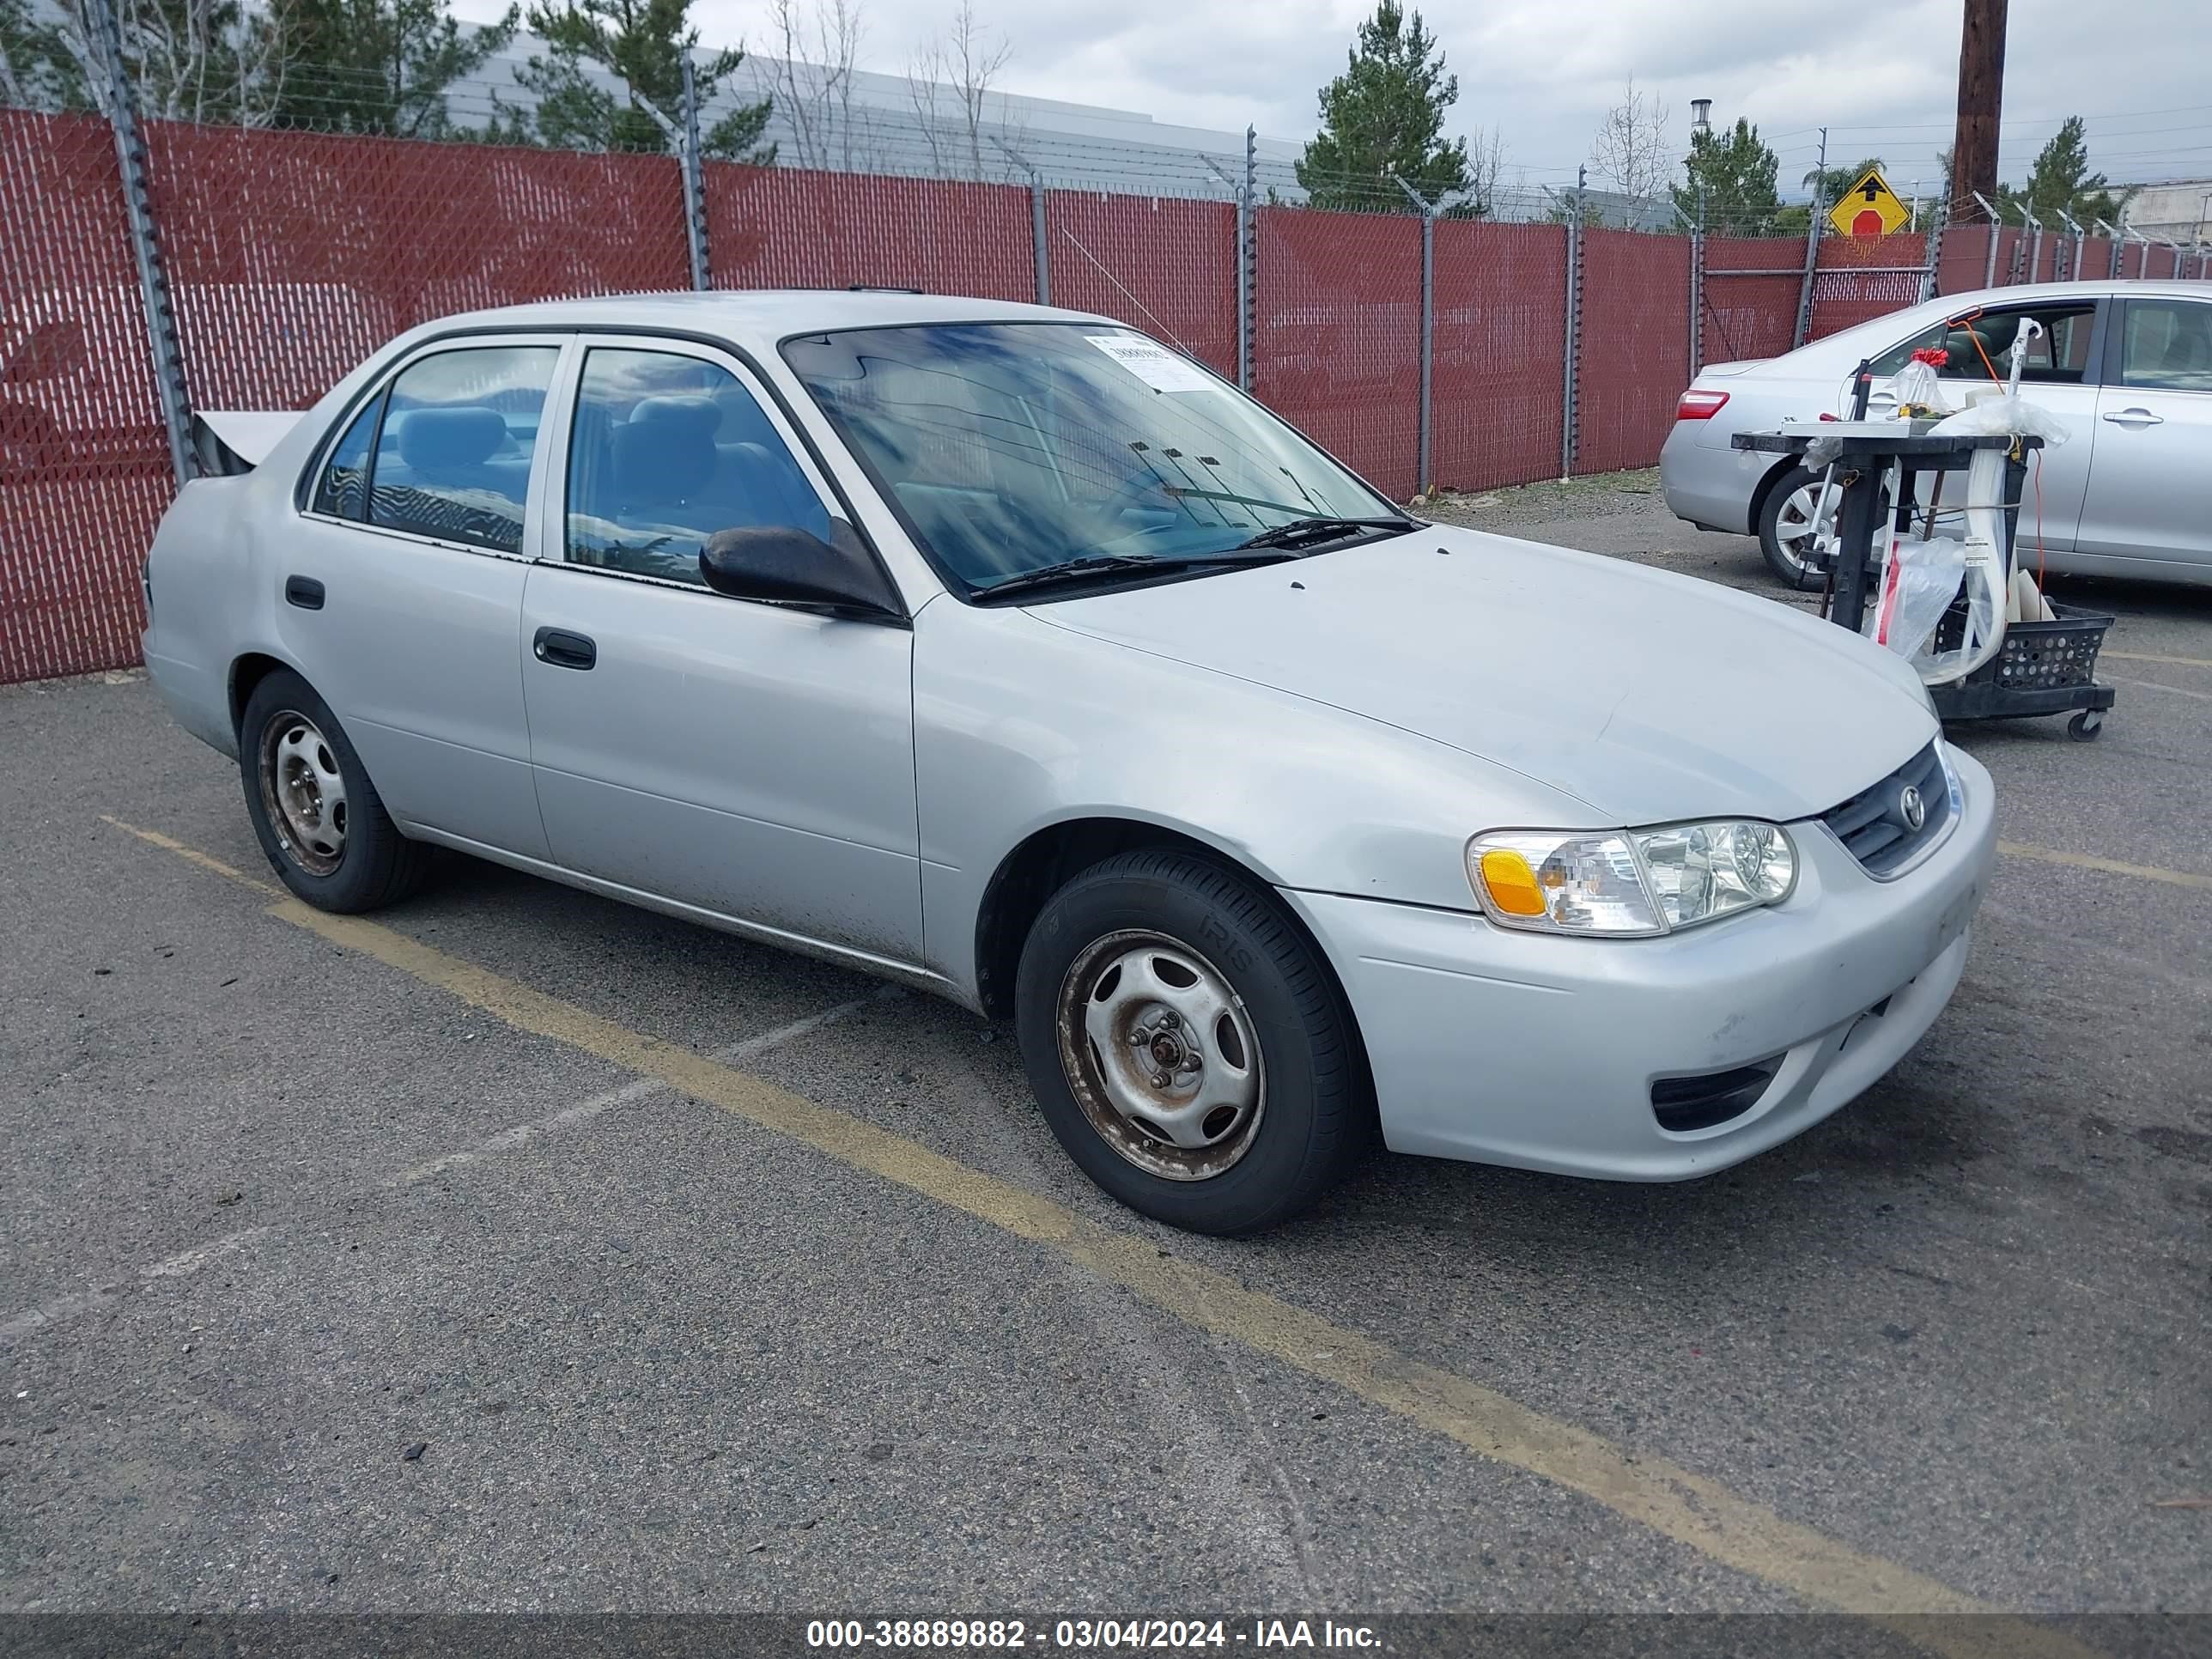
<point>1004,653</point>
<point>2126,365</point>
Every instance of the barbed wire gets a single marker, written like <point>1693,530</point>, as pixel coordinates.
<point>882,139</point>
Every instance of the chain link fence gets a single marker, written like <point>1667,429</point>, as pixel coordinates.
<point>84,461</point>
<point>1492,339</point>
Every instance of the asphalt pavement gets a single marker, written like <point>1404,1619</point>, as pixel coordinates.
<point>514,1250</point>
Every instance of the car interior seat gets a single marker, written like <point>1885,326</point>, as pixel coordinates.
<point>445,472</point>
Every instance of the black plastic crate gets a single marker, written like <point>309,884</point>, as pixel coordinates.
<point>2037,656</point>
<point>2047,655</point>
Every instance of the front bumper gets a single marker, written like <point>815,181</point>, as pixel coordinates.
<point>1540,1052</point>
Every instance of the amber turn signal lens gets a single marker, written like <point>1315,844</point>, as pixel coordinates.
<point>1511,883</point>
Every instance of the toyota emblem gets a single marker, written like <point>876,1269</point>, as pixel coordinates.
<point>1912,808</point>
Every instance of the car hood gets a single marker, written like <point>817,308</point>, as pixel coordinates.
<point>1648,696</point>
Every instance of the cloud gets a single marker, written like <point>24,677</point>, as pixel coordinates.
<point>1880,77</point>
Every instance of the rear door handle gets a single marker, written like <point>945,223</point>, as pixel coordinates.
<point>563,649</point>
<point>303,591</point>
<point>2133,417</point>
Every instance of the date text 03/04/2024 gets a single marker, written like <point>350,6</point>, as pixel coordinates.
<point>1082,1634</point>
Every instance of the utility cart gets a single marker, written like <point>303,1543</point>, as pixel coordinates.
<point>1998,670</point>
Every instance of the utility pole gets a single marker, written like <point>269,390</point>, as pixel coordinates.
<point>1981,98</point>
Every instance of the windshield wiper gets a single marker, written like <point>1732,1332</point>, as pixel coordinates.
<point>1105,564</point>
<point>1312,530</point>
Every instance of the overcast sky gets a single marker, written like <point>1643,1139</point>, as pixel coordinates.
<point>1880,73</point>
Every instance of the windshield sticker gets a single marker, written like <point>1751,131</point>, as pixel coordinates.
<point>1153,363</point>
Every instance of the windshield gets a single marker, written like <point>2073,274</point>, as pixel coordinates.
<point>1012,447</point>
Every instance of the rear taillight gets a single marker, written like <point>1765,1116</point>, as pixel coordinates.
<point>1698,404</point>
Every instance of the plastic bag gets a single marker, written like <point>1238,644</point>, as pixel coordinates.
<point>2014,415</point>
<point>1918,390</point>
<point>1918,582</point>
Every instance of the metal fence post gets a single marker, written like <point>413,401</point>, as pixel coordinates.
<point>1931,275</point>
<point>1568,415</point>
<point>695,182</point>
<point>1429,344</point>
<point>1996,225</point>
<point>1248,259</point>
<point>1040,240</point>
<point>170,391</point>
<point>1697,299</point>
<point>1428,212</point>
<point>1812,264</point>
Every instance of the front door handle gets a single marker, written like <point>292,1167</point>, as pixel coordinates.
<point>2137,416</point>
<point>303,591</point>
<point>563,649</point>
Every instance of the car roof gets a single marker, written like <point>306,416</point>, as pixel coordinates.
<point>1893,326</point>
<point>764,316</point>
<point>2094,287</point>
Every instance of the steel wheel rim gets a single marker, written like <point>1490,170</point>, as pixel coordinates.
<point>1161,1055</point>
<point>303,792</point>
<point>1793,523</point>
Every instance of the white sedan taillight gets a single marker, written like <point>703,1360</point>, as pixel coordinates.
<point>1698,404</point>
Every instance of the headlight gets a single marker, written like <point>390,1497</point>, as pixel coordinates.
<point>1646,881</point>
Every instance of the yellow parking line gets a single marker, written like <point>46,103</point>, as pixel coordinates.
<point>2179,662</point>
<point>2020,850</point>
<point>1671,1500</point>
<point>193,855</point>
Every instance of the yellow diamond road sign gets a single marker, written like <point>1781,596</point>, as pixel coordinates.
<point>1869,208</point>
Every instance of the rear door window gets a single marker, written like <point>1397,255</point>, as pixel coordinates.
<point>342,489</point>
<point>453,452</point>
<point>2168,344</point>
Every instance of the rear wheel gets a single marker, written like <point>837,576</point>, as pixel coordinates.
<point>319,819</point>
<point>1786,521</point>
<point>1187,1046</point>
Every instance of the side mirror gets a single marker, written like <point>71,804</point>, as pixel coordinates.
<point>785,565</point>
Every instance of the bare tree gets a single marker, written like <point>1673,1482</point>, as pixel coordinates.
<point>820,44</point>
<point>1486,166</point>
<point>1629,151</point>
<point>186,60</point>
<point>951,77</point>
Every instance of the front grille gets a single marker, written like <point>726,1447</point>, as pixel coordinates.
<point>1873,824</point>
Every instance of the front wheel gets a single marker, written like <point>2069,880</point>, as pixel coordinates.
<point>319,819</point>
<point>1787,518</point>
<point>1187,1046</point>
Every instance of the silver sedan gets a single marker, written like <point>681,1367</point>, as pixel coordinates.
<point>2126,365</point>
<point>1005,652</point>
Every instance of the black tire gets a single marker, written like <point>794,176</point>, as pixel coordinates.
<point>1314,1118</point>
<point>1780,559</point>
<point>2086,726</point>
<point>374,863</point>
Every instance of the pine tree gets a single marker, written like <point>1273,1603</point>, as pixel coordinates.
<point>642,45</point>
<point>2060,181</point>
<point>381,66</point>
<point>1731,185</point>
<point>1384,115</point>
